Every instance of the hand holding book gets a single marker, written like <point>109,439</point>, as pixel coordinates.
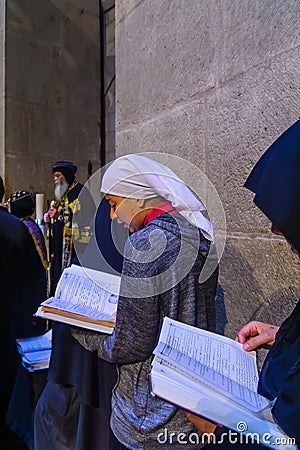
<point>257,334</point>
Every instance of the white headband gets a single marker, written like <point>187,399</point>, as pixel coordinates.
<point>135,176</point>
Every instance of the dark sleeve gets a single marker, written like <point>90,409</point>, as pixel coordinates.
<point>280,375</point>
<point>84,214</point>
<point>287,408</point>
<point>31,280</point>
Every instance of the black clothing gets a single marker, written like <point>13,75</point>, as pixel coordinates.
<point>23,287</point>
<point>280,376</point>
<point>275,180</point>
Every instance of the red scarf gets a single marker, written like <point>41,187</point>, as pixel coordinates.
<point>164,207</point>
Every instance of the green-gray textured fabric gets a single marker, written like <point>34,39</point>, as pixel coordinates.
<point>137,416</point>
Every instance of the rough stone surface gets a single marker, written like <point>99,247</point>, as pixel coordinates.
<point>260,280</point>
<point>254,33</point>
<point>52,91</point>
<point>165,52</point>
<point>123,9</point>
<point>178,131</point>
<point>216,83</point>
<point>244,117</point>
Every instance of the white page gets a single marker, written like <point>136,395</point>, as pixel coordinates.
<point>66,289</point>
<point>87,288</point>
<point>105,311</point>
<point>190,395</point>
<point>77,322</point>
<point>215,360</point>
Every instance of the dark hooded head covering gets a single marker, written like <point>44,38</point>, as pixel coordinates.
<point>22,204</point>
<point>68,169</point>
<point>275,180</point>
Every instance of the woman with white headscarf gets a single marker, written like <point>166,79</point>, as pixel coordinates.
<point>168,249</point>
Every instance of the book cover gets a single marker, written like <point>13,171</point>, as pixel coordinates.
<point>35,351</point>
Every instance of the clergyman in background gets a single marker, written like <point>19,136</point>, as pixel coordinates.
<point>69,218</point>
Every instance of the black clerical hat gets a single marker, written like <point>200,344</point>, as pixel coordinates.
<point>22,203</point>
<point>68,169</point>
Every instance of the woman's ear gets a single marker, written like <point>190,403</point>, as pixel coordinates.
<point>141,202</point>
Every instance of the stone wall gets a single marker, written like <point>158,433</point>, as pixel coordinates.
<point>216,83</point>
<point>52,90</point>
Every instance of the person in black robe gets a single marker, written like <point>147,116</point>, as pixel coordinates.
<point>23,287</point>
<point>275,180</point>
<point>73,411</point>
<point>28,385</point>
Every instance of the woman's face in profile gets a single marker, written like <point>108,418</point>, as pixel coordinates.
<point>128,211</point>
<point>275,230</point>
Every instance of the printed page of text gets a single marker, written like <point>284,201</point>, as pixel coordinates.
<point>89,289</point>
<point>215,360</point>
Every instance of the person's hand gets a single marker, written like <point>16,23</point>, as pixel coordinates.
<point>257,334</point>
<point>203,425</point>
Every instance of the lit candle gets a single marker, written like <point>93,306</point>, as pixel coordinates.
<point>39,202</point>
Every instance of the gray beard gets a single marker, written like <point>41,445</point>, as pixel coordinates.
<point>60,189</point>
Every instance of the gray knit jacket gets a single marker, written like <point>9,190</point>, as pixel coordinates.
<point>156,258</point>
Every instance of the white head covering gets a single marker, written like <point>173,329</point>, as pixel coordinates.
<point>135,176</point>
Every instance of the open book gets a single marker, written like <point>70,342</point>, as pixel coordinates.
<point>84,297</point>
<point>35,351</point>
<point>212,376</point>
